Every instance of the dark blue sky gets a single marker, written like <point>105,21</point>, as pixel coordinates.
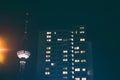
<point>100,17</point>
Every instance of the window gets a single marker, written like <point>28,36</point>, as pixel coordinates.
<point>72,47</point>
<point>72,59</point>
<point>73,72</point>
<point>76,48</point>
<point>65,68</point>
<point>65,72</point>
<point>59,39</point>
<point>47,52</point>
<point>76,52</point>
<point>81,27</point>
<point>72,32</point>
<point>47,60</point>
<point>83,78</point>
<point>72,35</point>
<point>48,40</point>
<point>82,51</point>
<point>52,64</point>
<point>49,32</point>
<point>48,47</point>
<point>54,32</point>
<point>65,51</point>
<point>47,73</point>
<point>83,60</point>
<point>77,60</point>
<point>82,39</point>
<point>77,69</point>
<point>72,55</point>
<point>65,59</point>
<point>72,51</point>
<point>72,39</point>
<point>75,32</point>
<point>46,68</point>
<point>83,69</point>
<point>47,56</point>
<point>48,36</point>
<point>77,78</point>
<point>65,77</point>
<point>72,68</point>
<point>82,32</point>
<point>73,77</point>
<point>72,43</point>
<point>65,55</point>
<point>72,63</point>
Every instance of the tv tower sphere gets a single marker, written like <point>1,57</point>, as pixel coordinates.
<point>23,55</point>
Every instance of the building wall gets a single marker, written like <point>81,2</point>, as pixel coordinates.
<point>64,55</point>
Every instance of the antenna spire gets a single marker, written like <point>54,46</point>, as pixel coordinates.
<point>25,37</point>
<point>26,22</point>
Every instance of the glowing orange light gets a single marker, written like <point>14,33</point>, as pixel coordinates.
<point>2,49</point>
<point>2,58</point>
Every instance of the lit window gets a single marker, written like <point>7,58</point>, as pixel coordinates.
<point>48,47</point>
<point>76,52</point>
<point>47,73</point>
<point>75,32</point>
<point>65,72</point>
<point>73,72</point>
<point>72,47</point>
<point>47,56</point>
<point>72,63</point>
<point>72,39</point>
<point>65,77</point>
<point>72,43</point>
<point>73,77</point>
<point>82,39</point>
<point>77,69</point>
<point>59,39</point>
<point>84,78</point>
<point>54,32</point>
<point>72,59</point>
<point>47,60</point>
<point>82,32</point>
<point>72,55</point>
<point>77,60</point>
<point>72,35</point>
<point>46,68</point>
<point>83,60</point>
<point>77,78</point>
<point>52,64</point>
<point>72,51</point>
<point>82,51</point>
<point>65,51</point>
<point>49,32</point>
<point>83,69</point>
<point>72,68</point>
<point>65,55</point>
<point>65,68</point>
<point>76,48</point>
<point>48,36</point>
<point>47,52</point>
<point>65,59</point>
<point>48,40</point>
<point>81,27</point>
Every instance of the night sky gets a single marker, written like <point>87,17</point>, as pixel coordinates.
<point>100,17</point>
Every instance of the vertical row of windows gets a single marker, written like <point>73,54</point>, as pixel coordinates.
<point>74,50</point>
<point>48,51</point>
